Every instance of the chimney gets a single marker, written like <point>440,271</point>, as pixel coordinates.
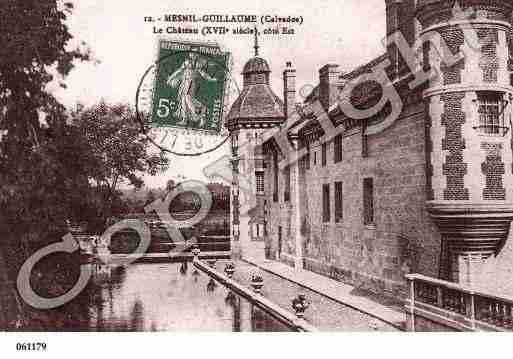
<point>393,10</point>
<point>289,89</point>
<point>328,81</point>
<point>408,20</point>
<point>400,16</point>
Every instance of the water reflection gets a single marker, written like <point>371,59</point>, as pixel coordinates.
<point>261,322</point>
<point>155,297</point>
<point>183,268</point>
<point>211,285</point>
<point>195,274</point>
<point>233,302</point>
<point>137,317</point>
<point>230,298</point>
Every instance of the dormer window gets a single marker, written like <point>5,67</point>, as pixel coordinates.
<point>491,108</point>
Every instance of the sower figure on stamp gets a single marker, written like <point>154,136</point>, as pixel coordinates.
<point>187,81</point>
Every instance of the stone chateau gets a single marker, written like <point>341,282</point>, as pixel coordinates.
<point>428,192</point>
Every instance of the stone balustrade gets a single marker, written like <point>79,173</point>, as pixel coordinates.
<point>293,321</point>
<point>435,304</point>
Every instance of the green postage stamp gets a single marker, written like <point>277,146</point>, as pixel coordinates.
<point>190,86</point>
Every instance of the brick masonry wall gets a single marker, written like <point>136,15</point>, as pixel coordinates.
<point>489,61</point>
<point>454,115</point>
<point>469,165</point>
<point>493,169</point>
<point>454,168</point>
<point>430,194</point>
<point>454,38</point>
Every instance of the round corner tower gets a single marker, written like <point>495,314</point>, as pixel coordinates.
<point>469,111</point>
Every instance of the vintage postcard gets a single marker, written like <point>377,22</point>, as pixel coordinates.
<point>281,166</point>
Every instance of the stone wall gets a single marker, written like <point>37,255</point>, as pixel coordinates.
<point>423,324</point>
<point>402,238</point>
<point>280,214</point>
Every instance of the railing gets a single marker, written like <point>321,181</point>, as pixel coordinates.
<point>284,316</point>
<point>457,306</point>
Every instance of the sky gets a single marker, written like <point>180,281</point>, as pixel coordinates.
<point>345,32</point>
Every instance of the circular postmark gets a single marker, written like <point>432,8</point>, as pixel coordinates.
<point>183,98</point>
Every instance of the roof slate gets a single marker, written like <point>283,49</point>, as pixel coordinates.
<point>257,102</point>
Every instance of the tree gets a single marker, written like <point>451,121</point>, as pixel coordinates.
<point>40,187</point>
<point>34,174</point>
<point>115,151</point>
<point>51,169</point>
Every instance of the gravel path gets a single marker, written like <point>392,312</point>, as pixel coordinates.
<point>324,313</point>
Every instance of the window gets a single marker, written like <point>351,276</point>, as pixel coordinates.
<point>368,201</point>
<point>491,117</point>
<point>307,157</point>
<point>235,144</point>
<point>275,173</point>
<point>286,193</point>
<point>260,182</point>
<point>323,154</point>
<point>325,203</point>
<point>365,142</point>
<point>339,202</point>
<point>315,158</point>
<point>338,148</point>
<point>365,145</point>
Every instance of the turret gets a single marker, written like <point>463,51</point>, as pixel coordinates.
<point>256,110</point>
<point>468,111</point>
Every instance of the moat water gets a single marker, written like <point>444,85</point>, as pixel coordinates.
<point>156,297</point>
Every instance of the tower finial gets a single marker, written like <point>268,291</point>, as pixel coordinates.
<point>256,42</point>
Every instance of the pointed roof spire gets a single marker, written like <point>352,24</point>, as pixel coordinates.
<point>256,47</point>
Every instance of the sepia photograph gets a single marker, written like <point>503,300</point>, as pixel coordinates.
<point>200,168</point>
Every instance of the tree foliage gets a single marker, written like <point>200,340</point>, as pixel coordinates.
<point>53,169</point>
<point>114,152</point>
<point>55,165</point>
<point>40,186</point>
<point>38,181</point>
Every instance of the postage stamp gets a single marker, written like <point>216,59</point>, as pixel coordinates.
<point>189,86</point>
